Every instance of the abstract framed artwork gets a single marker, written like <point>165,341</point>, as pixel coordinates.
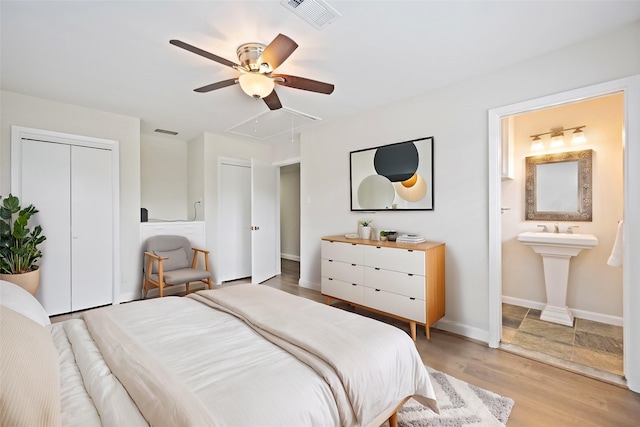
<point>393,177</point>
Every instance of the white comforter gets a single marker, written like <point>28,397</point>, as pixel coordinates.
<point>183,363</point>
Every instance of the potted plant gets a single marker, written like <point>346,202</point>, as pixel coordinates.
<point>383,235</point>
<point>392,235</point>
<point>19,251</point>
<point>365,229</point>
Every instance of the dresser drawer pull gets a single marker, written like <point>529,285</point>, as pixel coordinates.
<point>376,268</point>
<point>412,298</point>
<point>378,247</point>
<point>329,278</point>
<point>330,260</point>
<point>410,250</point>
<point>353,244</point>
<point>410,274</point>
<point>354,284</point>
<point>377,290</point>
<point>353,265</point>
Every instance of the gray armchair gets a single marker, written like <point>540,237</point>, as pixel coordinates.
<point>170,260</point>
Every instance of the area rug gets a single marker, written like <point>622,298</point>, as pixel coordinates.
<point>461,404</point>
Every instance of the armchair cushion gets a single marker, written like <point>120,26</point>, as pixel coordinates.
<point>184,275</point>
<point>177,260</point>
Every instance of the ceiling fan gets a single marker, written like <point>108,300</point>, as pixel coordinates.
<point>257,63</point>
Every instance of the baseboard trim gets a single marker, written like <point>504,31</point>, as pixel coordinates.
<point>130,296</point>
<point>290,257</point>
<point>309,285</point>
<point>464,330</point>
<point>582,314</point>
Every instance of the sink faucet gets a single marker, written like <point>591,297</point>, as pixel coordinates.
<point>571,228</point>
<point>556,229</point>
<point>544,228</point>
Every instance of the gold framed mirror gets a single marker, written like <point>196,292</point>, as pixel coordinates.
<point>558,187</point>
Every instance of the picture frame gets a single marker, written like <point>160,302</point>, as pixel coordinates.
<point>393,177</point>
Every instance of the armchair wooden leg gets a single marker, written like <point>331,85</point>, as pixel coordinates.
<point>161,289</point>
<point>187,288</point>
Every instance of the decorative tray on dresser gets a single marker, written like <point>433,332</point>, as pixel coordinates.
<point>401,280</point>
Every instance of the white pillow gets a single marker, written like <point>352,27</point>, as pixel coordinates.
<point>18,299</point>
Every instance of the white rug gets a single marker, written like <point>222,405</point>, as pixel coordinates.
<point>460,403</point>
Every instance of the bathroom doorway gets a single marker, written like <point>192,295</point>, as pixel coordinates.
<point>630,90</point>
<point>594,341</point>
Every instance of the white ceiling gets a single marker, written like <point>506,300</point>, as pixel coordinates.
<point>115,55</point>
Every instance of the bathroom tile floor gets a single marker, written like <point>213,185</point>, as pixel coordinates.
<point>591,344</point>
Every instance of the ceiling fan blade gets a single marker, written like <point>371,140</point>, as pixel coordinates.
<point>278,51</point>
<point>218,85</point>
<point>304,84</point>
<point>204,53</point>
<point>272,101</point>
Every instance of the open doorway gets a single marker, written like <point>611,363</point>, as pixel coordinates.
<point>290,220</point>
<point>590,341</point>
<point>630,87</point>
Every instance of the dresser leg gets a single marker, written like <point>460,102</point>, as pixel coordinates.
<point>412,328</point>
<point>427,331</point>
<point>328,300</point>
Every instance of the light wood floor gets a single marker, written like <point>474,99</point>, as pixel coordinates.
<point>544,395</point>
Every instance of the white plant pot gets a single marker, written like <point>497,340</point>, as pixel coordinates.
<point>365,233</point>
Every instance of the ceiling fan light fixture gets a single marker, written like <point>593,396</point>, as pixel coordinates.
<point>256,85</point>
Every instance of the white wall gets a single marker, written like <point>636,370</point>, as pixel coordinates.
<point>457,117</point>
<point>39,113</point>
<point>163,177</point>
<point>593,285</point>
<point>290,212</point>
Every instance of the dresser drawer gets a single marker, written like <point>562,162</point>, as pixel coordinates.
<point>351,273</point>
<point>346,252</point>
<point>408,284</point>
<point>404,260</point>
<point>343,290</point>
<point>403,306</point>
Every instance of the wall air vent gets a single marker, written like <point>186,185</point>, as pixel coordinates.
<point>316,12</point>
<point>283,121</point>
<point>168,132</point>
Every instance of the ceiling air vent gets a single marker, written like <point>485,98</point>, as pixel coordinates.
<point>316,12</point>
<point>167,132</point>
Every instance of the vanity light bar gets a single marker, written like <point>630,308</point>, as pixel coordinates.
<point>557,137</point>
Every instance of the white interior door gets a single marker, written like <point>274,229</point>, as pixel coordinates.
<point>91,228</point>
<point>264,209</point>
<point>45,184</point>
<point>235,229</point>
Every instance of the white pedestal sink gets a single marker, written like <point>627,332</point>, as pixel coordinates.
<point>556,250</point>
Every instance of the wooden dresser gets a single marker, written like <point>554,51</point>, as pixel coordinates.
<point>405,281</point>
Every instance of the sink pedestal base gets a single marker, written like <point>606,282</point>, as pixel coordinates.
<point>561,315</point>
<point>556,278</point>
<point>556,250</point>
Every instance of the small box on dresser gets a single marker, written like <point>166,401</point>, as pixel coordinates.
<point>400,280</point>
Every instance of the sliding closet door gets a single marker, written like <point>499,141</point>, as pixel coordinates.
<point>91,228</point>
<point>73,181</point>
<point>45,184</point>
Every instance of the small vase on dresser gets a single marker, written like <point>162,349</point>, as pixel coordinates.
<point>365,233</point>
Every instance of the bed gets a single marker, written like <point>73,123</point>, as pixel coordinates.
<point>245,355</point>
